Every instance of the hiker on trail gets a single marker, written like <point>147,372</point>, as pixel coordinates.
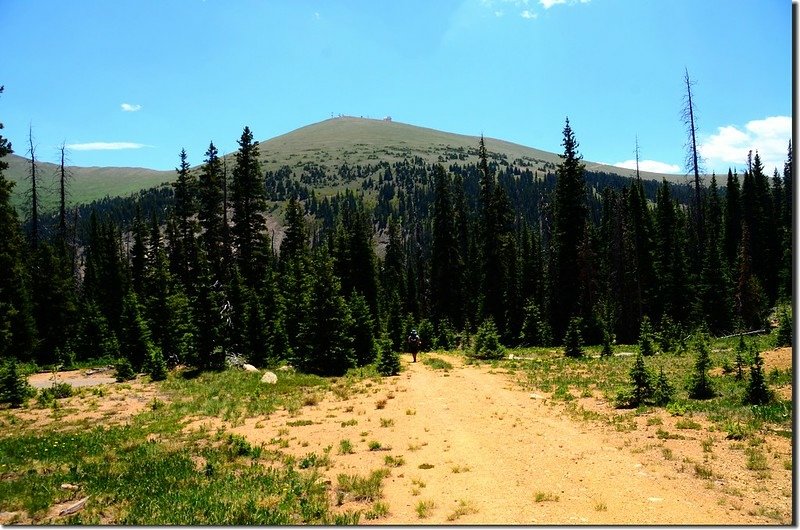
<point>413,344</point>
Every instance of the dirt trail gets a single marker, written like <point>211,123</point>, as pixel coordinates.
<point>490,448</point>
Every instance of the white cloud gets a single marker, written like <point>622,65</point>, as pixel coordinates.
<point>650,165</point>
<point>104,146</point>
<point>528,14</point>
<point>729,146</point>
<point>317,15</point>
<point>547,4</point>
<point>127,107</point>
<point>498,13</point>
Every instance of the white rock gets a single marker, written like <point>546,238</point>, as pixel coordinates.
<point>76,507</point>
<point>249,368</point>
<point>269,377</point>
<point>286,368</point>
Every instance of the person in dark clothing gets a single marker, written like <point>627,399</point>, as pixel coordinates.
<point>413,344</point>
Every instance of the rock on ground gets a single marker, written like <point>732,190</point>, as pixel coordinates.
<point>269,377</point>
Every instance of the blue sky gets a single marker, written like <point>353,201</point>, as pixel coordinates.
<point>130,83</point>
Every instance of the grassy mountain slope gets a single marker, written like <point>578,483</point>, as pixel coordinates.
<point>328,144</point>
<point>331,142</point>
<point>87,183</point>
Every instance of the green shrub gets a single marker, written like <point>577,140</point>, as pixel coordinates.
<point>156,367</point>
<point>57,391</point>
<point>784,335</point>
<point>573,339</point>
<point>426,335</point>
<point>124,371</point>
<point>388,359</point>
<point>446,336</point>
<point>757,392</point>
<point>699,383</point>
<point>663,391</point>
<point>646,338</point>
<point>641,380</point>
<point>14,386</point>
<point>486,344</point>
<point>535,330</point>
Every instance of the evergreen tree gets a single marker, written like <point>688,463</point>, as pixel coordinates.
<point>257,338</point>
<point>14,387</point>
<point>54,302</point>
<point>248,197</point>
<point>672,291</point>
<point>663,391</point>
<point>17,326</point>
<point>757,393</point>
<point>573,340</point>
<point>361,330</point>
<point>138,253</point>
<point>136,344</point>
<point>326,347</point>
<point>388,360</point>
<point>638,227</point>
<point>355,261</point>
<point>699,384</point>
<point>294,272</point>
<point>493,218</point>
<point>750,302</point>
<point>206,307</point>
<point>155,366</point>
<point>732,219</point>
<point>642,382</point>
<point>784,335</point>
<point>94,339</point>
<point>486,343</point>
<point>105,279</point>
<point>446,264</point>
<point>184,208</point>
<point>535,330</point>
<point>210,212</point>
<point>569,225</point>
<point>741,348</point>
<point>646,347</point>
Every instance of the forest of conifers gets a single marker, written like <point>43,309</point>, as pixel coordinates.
<point>190,274</point>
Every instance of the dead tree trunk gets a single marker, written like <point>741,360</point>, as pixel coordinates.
<point>692,158</point>
<point>34,195</point>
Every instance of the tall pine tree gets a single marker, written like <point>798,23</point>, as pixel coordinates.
<point>569,225</point>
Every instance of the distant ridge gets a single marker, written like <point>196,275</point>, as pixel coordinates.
<point>328,144</point>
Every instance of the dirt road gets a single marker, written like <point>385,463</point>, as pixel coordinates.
<point>482,450</point>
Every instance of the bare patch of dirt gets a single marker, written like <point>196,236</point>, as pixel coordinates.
<point>477,449</point>
<point>471,437</point>
<point>100,402</point>
<point>75,378</point>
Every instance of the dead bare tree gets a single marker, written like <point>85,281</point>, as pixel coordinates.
<point>33,191</point>
<point>63,178</point>
<point>692,157</point>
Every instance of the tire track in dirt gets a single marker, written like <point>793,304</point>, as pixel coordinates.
<point>493,448</point>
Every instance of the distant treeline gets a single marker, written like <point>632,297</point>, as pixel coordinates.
<point>199,277</point>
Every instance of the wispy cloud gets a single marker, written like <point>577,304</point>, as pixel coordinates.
<point>317,15</point>
<point>728,147</point>
<point>650,165</point>
<point>127,107</point>
<point>547,4</point>
<point>527,13</point>
<point>104,146</point>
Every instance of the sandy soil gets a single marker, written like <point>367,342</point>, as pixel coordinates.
<point>76,378</point>
<point>509,456</point>
<point>484,450</point>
